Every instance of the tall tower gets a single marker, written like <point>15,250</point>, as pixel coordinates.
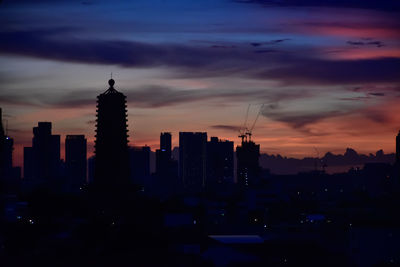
<point>111,145</point>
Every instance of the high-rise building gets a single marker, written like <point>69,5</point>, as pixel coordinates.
<point>9,175</point>
<point>29,163</point>
<point>42,160</point>
<point>163,155</point>
<point>192,160</point>
<point>220,158</point>
<point>139,164</point>
<point>6,150</point>
<point>7,156</point>
<point>75,160</point>
<point>90,166</point>
<point>165,143</point>
<point>398,148</point>
<point>248,168</point>
<point>111,145</point>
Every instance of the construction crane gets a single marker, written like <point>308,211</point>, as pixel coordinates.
<point>243,129</point>
<point>249,132</point>
<point>244,132</point>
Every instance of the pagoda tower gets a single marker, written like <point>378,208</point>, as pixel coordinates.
<point>111,145</point>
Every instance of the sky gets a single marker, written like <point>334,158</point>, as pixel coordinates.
<point>324,75</point>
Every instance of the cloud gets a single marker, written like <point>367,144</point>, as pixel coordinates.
<point>318,71</point>
<point>231,128</point>
<point>199,61</point>
<point>362,43</point>
<point>154,96</point>
<point>387,5</point>
<point>377,94</point>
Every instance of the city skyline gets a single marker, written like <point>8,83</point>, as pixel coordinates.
<point>327,73</point>
<point>199,133</point>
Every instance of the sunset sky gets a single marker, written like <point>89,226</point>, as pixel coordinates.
<point>327,72</point>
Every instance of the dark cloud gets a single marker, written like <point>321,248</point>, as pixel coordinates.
<point>298,120</point>
<point>231,128</point>
<point>361,43</point>
<point>355,43</point>
<point>198,61</point>
<point>387,5</point>
<point>272,42</point>
<point>377,94</point>
<point>266,51</point>
<point>377,116</point>
<point>222,46</point>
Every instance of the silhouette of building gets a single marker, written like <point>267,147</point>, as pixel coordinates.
<point>42,160</point>
<point>75,160</point>
<point>28,163</point>
<point>220,157</point>
<point>6,151</point>
<point>111,145</point>
<point>90,166</point>
<point>398,148</point>
<point>163,155</point>
<point>139,164</point>
<point>165,143</point>
<point>192,160</point>
<point>248,168</point>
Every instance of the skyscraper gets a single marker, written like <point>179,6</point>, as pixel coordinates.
<point>139,164</point>
<point>111,145</point>
<point>220,158</point>
<point>29,163</point>
<point>248,168</point>
<point>6,149</point>
<point>75,160</point>
<point>192,160</point>
<point>42,161</point>
<point>163,155</point>
<point>9,175</point>
<point>398,148</point>
<point>165,143</point>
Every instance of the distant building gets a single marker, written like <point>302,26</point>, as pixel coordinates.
<point>7,156</point>
<point>398,148</point>
<point>220,158</point>
<point>75,160</point>
<point>139,159</point>
<point>6,152</point>
<point>90,164</point>
<point>42,160</point>
<point>163,155</point>
<point>192,160</point>
<point>28,163</point>
<point>165,143</point>
<point>111,145</point>
<point>248,168</point>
